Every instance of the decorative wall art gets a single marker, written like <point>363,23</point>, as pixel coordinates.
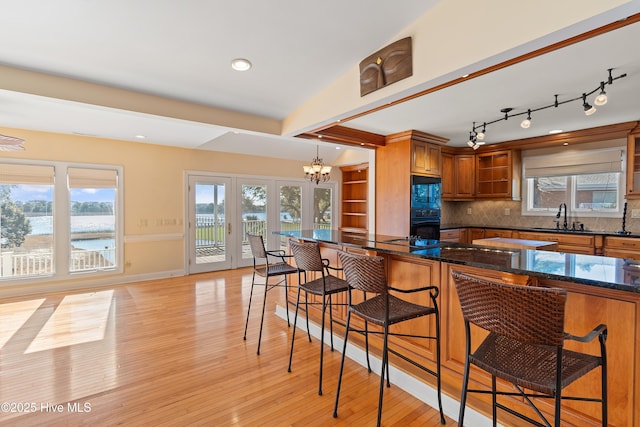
<point>386,66</point>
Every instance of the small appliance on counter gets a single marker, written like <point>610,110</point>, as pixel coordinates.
<point>425,207</point>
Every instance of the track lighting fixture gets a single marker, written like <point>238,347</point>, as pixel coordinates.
<point>588,108</point>
<point>480,135</point>
<point>526,122</point>
<point>473,140</point>
<point>600,100</point>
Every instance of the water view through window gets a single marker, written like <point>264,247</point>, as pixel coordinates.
<point>31,221</point>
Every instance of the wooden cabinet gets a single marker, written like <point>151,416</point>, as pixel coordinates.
<point>448,176</point>
<point>492,232</point>
<point>633,166</point>
<point>498,175</point>
<point>355,184</point>
<point>486,233</point>
<point>454,235</point>
<point>425,158</point>
<point>622,247</point>
<point>458,176</point>
<point>393,180</point>
<point>475,233</point>
<point>567,242</point>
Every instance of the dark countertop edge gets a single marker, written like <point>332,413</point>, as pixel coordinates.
<point>402,251</point>
<point>540,230</point>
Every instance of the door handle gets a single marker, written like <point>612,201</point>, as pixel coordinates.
<point>229,228</point>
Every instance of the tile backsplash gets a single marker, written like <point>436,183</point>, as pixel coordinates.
<point>493,213</point>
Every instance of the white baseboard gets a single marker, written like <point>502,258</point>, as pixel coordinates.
<point>406,382</point>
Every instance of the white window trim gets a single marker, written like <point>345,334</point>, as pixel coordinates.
<point>527,210</point>
<point>61,225</point>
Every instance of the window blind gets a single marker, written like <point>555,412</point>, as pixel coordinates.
<point>92,178</point>
<point>574,163</point>
<point>11,173</point>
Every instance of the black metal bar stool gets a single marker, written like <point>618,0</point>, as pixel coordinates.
<point>309,260</point>
<point>265,266</point>
<point>367,274</point>
<point>525,345</point>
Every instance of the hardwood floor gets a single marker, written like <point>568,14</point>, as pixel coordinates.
<point>170,352</point>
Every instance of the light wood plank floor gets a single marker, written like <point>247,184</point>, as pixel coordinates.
<point>170,352</point>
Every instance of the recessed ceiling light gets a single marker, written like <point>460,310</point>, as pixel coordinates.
<point>140,136</point>
<point>464,76</point>
<point>240,64</point>
<point>337,148</point>
<point>553,132</point>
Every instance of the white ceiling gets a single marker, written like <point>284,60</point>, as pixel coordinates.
<point>182,50</point>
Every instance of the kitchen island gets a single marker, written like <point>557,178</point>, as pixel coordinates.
<point>600,290</point>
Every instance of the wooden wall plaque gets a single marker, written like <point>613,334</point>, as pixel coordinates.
<point>386,66</point>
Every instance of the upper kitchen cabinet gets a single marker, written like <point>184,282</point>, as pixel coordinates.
<point>498,175</point>
<point>425,159</point>
<point>458,176</point>
<point>633,165</point>
<point>424,151</point>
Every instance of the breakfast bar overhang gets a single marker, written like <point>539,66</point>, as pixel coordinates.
<point>600,290</point>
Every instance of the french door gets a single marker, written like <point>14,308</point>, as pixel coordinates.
<point>223,209</point>
<point>210,212</point>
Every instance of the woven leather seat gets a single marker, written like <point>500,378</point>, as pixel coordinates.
<point>367,274</point>
<point>309,260</point>
<point>267,264</point>
<point>525,344</point>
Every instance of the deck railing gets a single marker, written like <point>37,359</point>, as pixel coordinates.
<point>209,234</point>
<point>41,262</point>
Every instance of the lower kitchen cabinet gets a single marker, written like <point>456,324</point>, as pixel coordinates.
<point>454,235</point>
<point>622,247</point>
<point>567,242</point>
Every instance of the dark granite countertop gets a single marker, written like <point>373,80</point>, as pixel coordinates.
<point>592,270</point>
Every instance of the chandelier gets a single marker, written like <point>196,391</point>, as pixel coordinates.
<point>317,172</point>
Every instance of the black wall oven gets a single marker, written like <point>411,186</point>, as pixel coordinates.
<point>425,207</point>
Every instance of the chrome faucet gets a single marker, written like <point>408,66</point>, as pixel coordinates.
<point>564,224</point>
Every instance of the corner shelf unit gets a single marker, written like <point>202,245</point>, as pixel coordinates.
<point>354,213</point>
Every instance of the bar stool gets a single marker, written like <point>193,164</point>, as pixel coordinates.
<point>264,265</point>
<point>525,345</point>
<point>308,260</point>
<point>367,274</point>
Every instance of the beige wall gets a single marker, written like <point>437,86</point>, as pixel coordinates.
<point>154,191</point>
